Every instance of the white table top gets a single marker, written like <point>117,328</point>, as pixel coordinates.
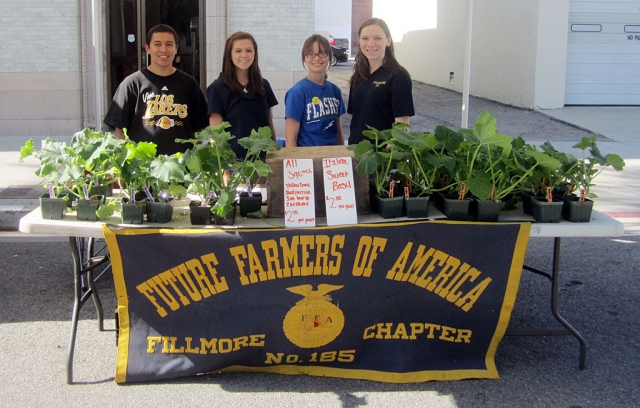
<point>32,223</point>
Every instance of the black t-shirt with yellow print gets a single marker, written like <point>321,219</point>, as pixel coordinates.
<point>159,109</point>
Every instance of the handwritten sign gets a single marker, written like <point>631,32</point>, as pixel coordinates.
<point>299,200</point>
<point>339,191</point>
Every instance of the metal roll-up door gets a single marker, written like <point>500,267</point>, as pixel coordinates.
<point>603,53</point>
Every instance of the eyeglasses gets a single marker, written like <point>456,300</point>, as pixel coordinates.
<point>312,55</point>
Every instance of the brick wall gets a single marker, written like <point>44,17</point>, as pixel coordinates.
<point>362,10</point>
<point>39,36</point>
<point>279,26</point>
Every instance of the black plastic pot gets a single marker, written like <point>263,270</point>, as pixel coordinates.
<point>159,212</point>
<point>486,210</point>
<point>546,212</point>
<point>86,209</point>
<point>132,213</point>
<point>249,204</point>
<point>230,219</point>
<point>100,190</point>
<point>417,207</point>
<point>574,210</point>
<point>453,208</point>
<point>390,207</point>
<point>198,214</point>
<point>52,208</point>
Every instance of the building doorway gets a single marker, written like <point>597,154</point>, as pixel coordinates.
<point>128,23</point>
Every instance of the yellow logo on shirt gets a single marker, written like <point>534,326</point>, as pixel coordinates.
<point>315,100</point>
<point>378,83</point>
<point>163,105</point>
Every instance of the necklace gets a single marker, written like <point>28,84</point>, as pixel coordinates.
<point>244,88</point>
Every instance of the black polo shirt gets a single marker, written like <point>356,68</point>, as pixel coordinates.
<point>243,113</point>
<point>378,100</point>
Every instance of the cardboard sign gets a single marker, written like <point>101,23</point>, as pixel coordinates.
<point>299,199</point>
<point>339,191</point>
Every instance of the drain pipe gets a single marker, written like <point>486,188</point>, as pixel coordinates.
<point>97,14</point>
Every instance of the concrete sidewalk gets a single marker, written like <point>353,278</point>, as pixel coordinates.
<point>618,129</point>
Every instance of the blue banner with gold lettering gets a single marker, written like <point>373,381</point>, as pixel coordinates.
<point>396,302</point>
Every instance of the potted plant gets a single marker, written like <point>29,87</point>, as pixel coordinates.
<point>74,169</point>
<point>253,167</point>
<point>206,163</point>
<point>378,159</point>
<point>428,157</point>
<point>580,175</point>
<point>54,203</point>
<point>154,180</point>
<point>497,165</point>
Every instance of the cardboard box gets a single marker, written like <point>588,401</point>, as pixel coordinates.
<point>275,185</point>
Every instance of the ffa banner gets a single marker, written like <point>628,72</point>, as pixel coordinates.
<point>401,302</point>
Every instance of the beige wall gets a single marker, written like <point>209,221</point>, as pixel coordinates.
<point>518,50</point>
<point>40,104</point>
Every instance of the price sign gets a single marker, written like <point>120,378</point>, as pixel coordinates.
<point>299,200</point>
<point>339,191</point>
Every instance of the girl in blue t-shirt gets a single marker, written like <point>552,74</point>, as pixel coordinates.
<point>313,106</point>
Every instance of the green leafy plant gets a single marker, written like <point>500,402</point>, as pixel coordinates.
<point>492,168</point>
<point>581,172</point>
<point>253,167</point>
<point>206,162</point>
<point>428,157</point>
<point>78,166</point>
<point>141,171</point>
<point>378,159</point>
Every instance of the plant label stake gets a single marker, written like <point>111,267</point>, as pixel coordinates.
<point>85,191</point>
<point>406,192</point>
<point>51,191</point>
<point>148,193</point>
<point>392,187</point>
<point>132,193</point>
<point>463,190</point>
<point>549,194</point>
<point>209,197</point>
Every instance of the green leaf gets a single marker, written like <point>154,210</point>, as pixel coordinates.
<point>544,160</point>
<point>479,184</point>
<point>106,209</point>
<point>585,143</point>
<point>615,161</point>
<point>26,150</point>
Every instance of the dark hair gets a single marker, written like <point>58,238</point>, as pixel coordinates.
<point>361,67</point>
<point>323,43</point>
<point>229,70</point>
<point>161,28</point>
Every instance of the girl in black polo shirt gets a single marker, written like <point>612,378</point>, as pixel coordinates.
<point>240,95</point>
<point>380,88</point>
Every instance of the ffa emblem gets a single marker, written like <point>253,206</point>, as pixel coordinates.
<point>314,321</point>
<point>315,100</point>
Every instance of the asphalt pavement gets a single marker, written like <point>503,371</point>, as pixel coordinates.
<point>598,295</point>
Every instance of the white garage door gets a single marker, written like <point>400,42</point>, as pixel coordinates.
<point>603,53</point>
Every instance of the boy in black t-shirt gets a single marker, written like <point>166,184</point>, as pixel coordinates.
<point>159,103</point>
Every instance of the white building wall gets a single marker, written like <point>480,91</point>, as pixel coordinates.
<point>334,16</point>
<point>518,50</point>
<point>40,91</point>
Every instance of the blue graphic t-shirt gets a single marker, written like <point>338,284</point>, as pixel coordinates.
<point>318,109</point>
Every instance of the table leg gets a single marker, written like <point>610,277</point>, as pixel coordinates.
<point>83,266</point>
<point>567,329</point>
